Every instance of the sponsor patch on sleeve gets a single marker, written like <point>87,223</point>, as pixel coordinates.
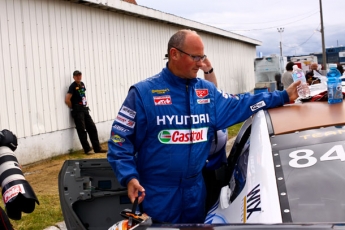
<point>128,112</point>
<point>117,139</point>
<point>120,128</point>
<point>125,121</point>
<point>257,106</point>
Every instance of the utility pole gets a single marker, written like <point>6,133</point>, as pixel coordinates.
<point>323,39</point>
<point>281,30</point>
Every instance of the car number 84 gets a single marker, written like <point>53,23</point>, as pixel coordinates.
<point>300,160</point>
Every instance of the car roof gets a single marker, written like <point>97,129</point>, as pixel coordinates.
<point>308,115</point>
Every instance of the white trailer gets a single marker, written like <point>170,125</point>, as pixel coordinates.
<point>266,69</point>
<point>304,62</point>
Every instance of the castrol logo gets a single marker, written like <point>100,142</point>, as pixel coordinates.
<point>183,136</point>
<point>12,192</point>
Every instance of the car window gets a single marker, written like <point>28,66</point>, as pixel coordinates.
<point>239,175</point>
<point>237,148</point>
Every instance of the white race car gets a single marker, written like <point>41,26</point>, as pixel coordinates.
<point>286,166</point>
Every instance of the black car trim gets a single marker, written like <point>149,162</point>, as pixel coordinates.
<point>282,191</point>
<point>269,123</point>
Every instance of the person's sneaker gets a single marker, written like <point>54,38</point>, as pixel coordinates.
<point>102,151</point>
<point>90,152</point>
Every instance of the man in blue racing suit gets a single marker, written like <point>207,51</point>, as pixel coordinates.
<point>160,139</point>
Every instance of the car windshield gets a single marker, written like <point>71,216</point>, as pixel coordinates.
<point>310,171</point>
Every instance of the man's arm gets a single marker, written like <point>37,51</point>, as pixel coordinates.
<point>68,100</point>
<point>124,141</point>
<point>209,74</point>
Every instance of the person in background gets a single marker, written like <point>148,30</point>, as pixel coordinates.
<point>341,69</point>
<point>76,101</point>
<point>160,139</point>
<point>278,78</point>
<point>287,79</point>
<point>309,76</point>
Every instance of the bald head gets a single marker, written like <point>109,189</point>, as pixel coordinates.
<point>314,66</point>
<point>185,53</point>
<point>179,38</point>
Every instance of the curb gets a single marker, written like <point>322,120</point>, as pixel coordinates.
<point>57,226</point>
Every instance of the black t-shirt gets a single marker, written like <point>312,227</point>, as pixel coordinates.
<point>78,94</point>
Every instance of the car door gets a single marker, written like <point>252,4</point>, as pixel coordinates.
<point>90,195</point>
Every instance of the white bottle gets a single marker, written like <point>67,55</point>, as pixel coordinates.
<point>298,75</point>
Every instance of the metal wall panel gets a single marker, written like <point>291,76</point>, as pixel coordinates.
<point>7,94</point>
<point>18,73</point>
<point>65,63</point>
<point>4,116</point>
<point>43,42</point>
<point>55,54</point>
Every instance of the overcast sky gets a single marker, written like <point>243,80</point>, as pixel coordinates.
<point>259,19</point>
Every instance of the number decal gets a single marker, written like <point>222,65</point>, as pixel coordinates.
<point>302,157</point>
<point>338,149</point>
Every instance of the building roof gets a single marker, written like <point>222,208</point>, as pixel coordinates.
<point>152,14</point>
<point>131,1</point>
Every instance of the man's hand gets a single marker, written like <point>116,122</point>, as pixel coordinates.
<point>292,91</point>
<point>68,100</point>
<point>7,138</point>
<point>133,191</point>
<point>206,65</point>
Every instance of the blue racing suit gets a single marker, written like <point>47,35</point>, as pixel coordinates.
<point>161,136</point>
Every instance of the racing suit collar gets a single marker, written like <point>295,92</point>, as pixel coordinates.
<point>175,80</point>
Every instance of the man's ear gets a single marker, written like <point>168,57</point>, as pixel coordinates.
<point>174,54</point>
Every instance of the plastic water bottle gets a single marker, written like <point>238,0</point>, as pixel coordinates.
<point>334,88</point>
<point>298,75</point>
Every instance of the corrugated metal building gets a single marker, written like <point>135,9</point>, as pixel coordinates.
<point>114,44</point>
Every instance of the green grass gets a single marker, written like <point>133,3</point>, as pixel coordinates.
<point>233,130</point>
<point>48,213</point>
